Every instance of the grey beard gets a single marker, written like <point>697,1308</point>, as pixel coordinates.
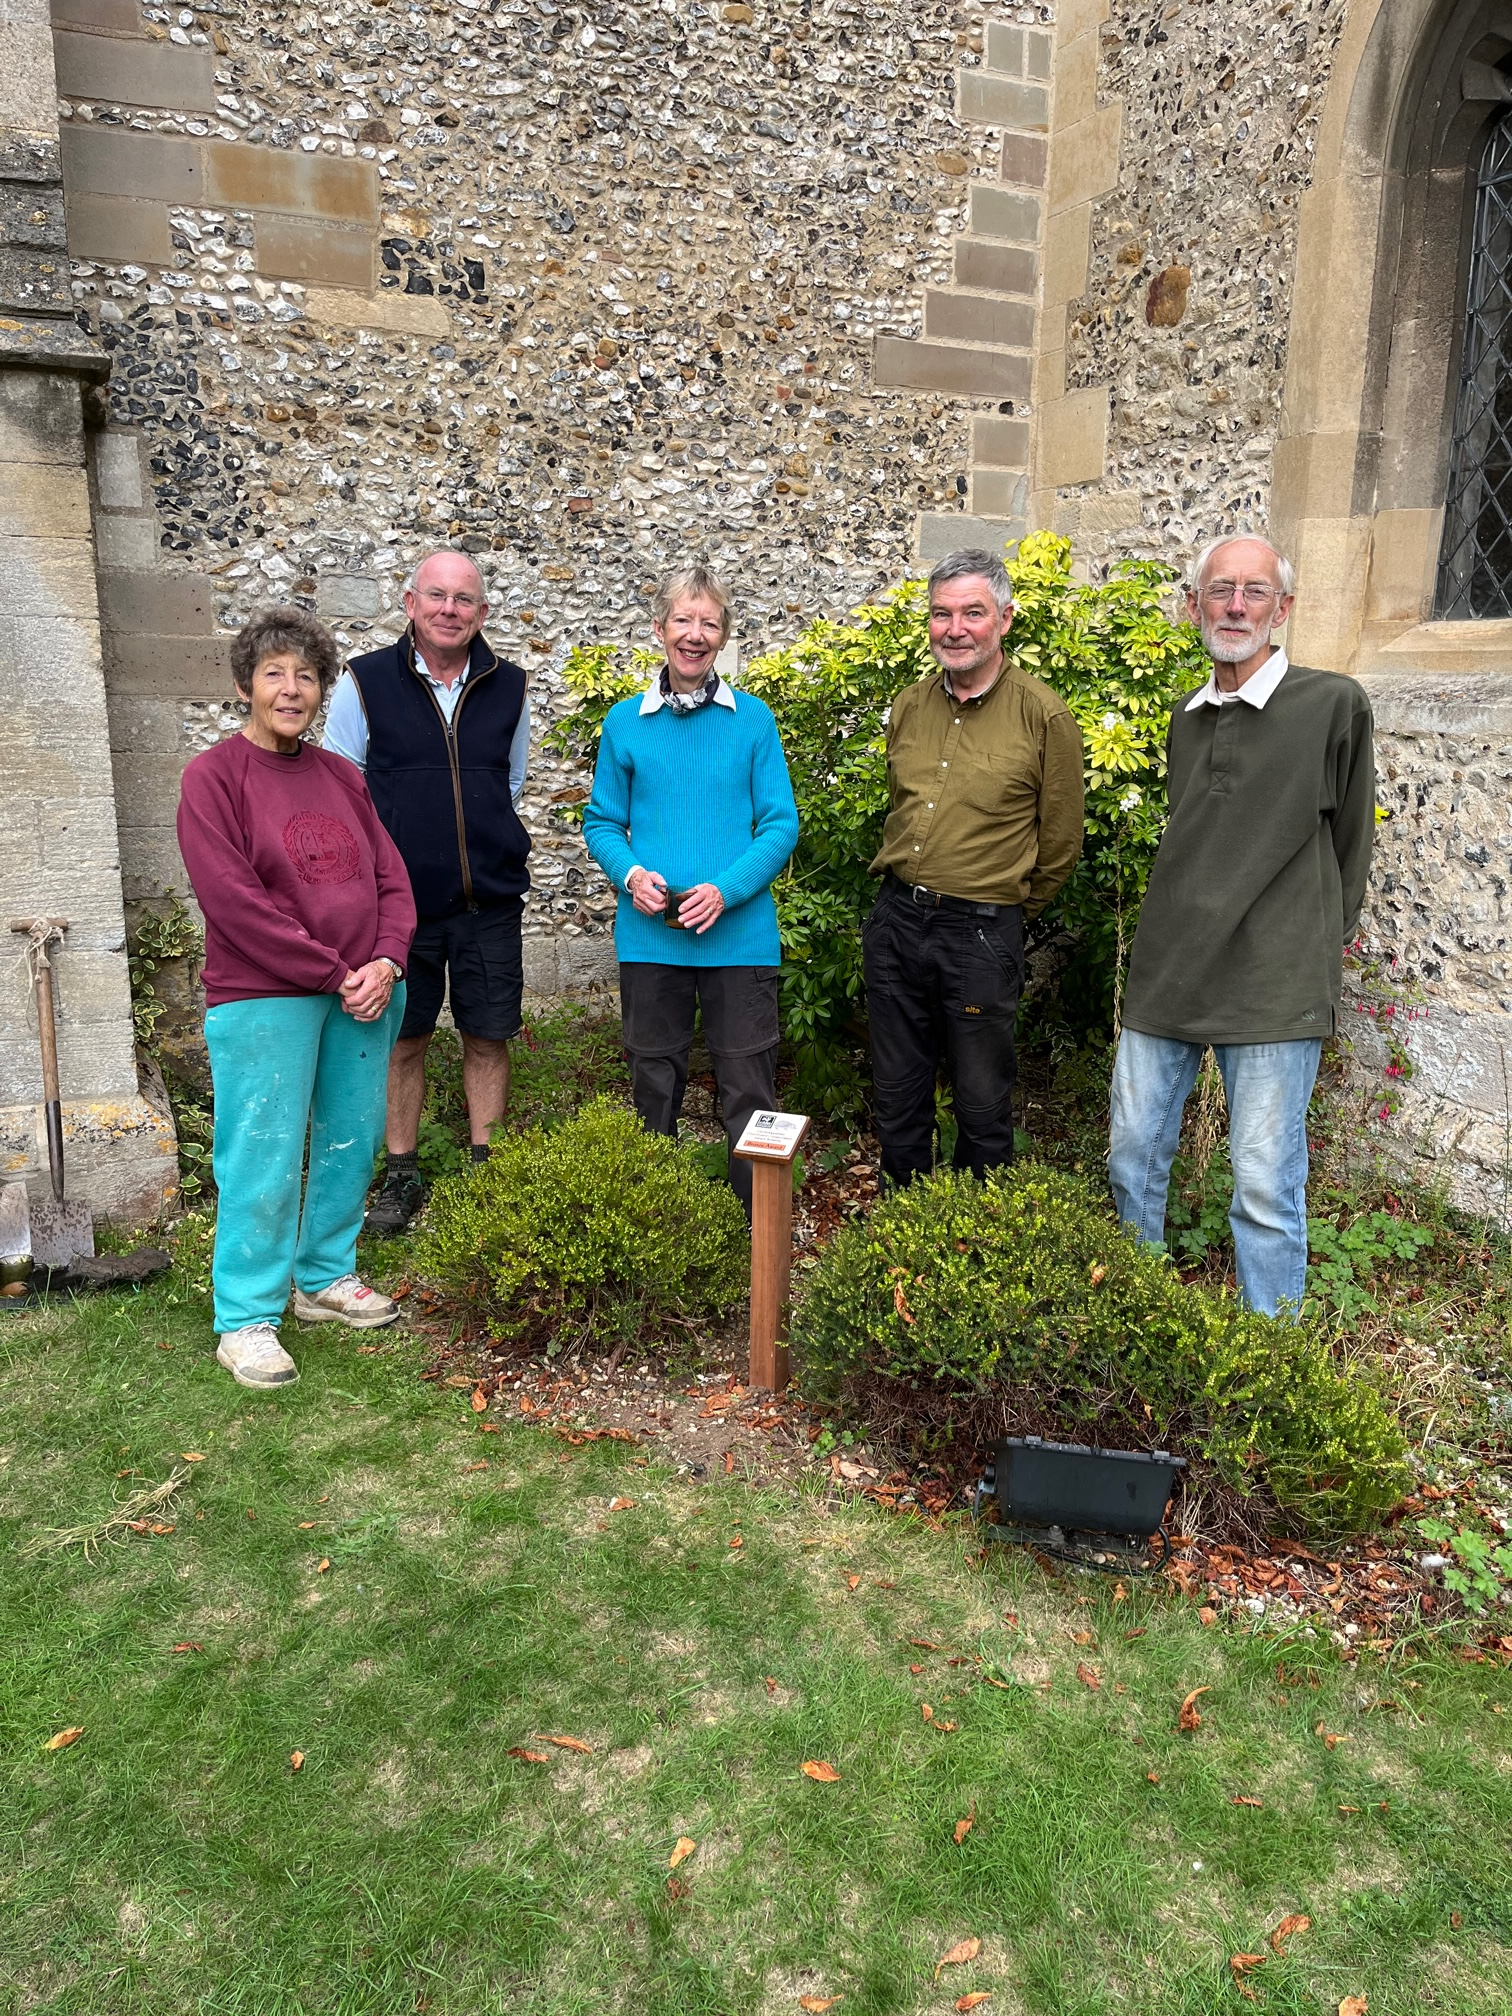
<point>1230,652</point>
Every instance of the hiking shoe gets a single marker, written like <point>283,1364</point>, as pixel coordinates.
<point>398,1201</point>
<point>254,1357</point>
<point>349,1301</point>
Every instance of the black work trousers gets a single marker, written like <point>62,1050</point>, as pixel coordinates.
<point>942,987</point>
<point>739,1006</point>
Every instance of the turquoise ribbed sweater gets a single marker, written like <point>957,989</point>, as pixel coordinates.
<point>700,797</point>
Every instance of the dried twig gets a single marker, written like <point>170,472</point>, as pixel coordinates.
<point>130,1514</point>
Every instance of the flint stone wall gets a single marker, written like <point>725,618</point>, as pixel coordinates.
<point>1221,108</point>
<point>576,288</point>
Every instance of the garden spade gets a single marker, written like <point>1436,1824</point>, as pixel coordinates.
<point>61,1231</point>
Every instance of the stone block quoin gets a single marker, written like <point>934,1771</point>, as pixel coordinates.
<point>979,336</point>
<point>1070,442</point>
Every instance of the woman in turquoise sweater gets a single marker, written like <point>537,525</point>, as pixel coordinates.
<point>692,819</point>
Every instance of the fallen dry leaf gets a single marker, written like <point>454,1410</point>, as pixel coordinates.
<point>1187,1717</point>
<point>729,1462</point>
<point>481,1464</point>
<point>479,1401</point>
<point>621,1504</point>
<point>570,1743</point>
<point>1088,1675</point>
<point>63,1738</point>
<point>530,1756</point>
<point>186,1645</point>
<point>1245,1799</point>
<point>296,1760</point>
<point>817,2004</point>
<point>1456,1920</point>
<point>924,1644</point>
<point>974,2000</point>
<point>306,1525</point>
<point>1245,1963</point>
<point>1330,1737</point>
<point>1083,1637</point>
<point>323,1566</point>
<point>1354,2005</point>
<point>685,1846</point>
<point>1139,1632</point>
<point>771,1683</point>
<point>192,1456</point>
<point>853,1581</point>
<point>1207,1616</point>
<point>959,1954</point>
<point>964,1827</point>
<point>1290,1926</point>
<point>676,1888</point>
<point>926,1711</point>
<point>1153,1776</point>
<point>1349,1809</point>
<point>819,1771</point>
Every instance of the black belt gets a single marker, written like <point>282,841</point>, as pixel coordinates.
<point>930,899</point>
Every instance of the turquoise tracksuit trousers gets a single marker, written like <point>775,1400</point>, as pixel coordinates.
<point>287,1069</point>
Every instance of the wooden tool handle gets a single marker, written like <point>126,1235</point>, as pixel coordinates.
<point>47,1034</point>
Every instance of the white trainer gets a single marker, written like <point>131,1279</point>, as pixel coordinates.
<point>254,1357</point>
<point>350,1301</point>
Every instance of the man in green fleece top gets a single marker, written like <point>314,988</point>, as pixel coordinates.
<point>1255,892</point>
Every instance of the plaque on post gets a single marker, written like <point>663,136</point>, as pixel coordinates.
<point>769,1143</point>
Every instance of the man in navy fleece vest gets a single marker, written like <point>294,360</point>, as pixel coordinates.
<point>441,726</point>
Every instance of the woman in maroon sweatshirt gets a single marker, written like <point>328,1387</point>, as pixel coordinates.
<point>308,920</point>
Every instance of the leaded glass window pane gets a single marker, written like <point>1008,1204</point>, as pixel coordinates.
<point>1475,562</point>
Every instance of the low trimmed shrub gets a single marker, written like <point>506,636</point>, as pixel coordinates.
<point>1019,1304</point>
<point>594,1230</point>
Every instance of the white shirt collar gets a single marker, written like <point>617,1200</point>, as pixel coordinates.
<point>652,698</point>
<point>1255,691</point>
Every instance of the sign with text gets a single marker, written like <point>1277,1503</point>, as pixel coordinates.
<point>772,1137</point>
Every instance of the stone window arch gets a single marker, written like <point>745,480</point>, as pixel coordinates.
<point>1363,461</point>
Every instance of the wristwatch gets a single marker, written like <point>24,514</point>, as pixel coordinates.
<point>394,967</point>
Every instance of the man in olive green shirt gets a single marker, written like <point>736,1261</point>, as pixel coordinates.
<point>984,769</point>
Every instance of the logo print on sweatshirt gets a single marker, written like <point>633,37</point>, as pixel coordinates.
<point>321,848</point>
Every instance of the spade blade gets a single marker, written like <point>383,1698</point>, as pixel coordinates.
<point>15,1223</point>
<point>60,1232</point>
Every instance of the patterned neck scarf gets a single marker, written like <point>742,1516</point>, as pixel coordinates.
<point>687,703</point>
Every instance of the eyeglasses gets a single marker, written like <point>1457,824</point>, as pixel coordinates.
<point>1256,593</point>
<point>436,598</point>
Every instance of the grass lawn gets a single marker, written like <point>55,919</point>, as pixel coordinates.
<point>481,1596</point>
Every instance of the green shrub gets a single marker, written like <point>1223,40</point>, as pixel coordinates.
<point>593,1230</point>
<point>1020,1303</point>
<point>1108,650</point>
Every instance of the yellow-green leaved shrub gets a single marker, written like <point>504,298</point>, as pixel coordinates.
<point>591,1232</point>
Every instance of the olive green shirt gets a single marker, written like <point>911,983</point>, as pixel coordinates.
<point>986,794</point>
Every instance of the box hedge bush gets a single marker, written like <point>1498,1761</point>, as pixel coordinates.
<point>590,1232</point>
<point>1020,1305</point>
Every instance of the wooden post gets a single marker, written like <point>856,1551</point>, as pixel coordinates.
<point>769,1144</point>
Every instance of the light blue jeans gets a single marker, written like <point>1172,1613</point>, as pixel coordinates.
<point>1267,1086</point>
<point>290,1070</point>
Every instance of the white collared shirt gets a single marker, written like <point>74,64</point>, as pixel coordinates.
<point>653,699</point>
<point>1255,691</point>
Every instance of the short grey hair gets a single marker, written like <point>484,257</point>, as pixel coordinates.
<point>695,578</point>
<point>973,560</point>
<point>445,553</point>
<point>1286,574</point>
<point>270,633</point>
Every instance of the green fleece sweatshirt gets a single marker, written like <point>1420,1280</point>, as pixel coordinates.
<point>1261,871</point>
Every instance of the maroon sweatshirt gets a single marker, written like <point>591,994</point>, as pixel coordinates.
<point>298,881</point>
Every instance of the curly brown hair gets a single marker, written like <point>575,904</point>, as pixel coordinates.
<point>267,632</point>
